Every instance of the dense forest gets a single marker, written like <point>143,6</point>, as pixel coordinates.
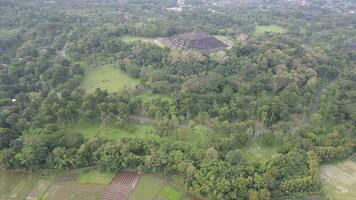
<point>294,91</point>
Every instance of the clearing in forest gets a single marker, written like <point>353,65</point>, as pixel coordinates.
<point>153,187</point>
<point>89,130</point>
<point>108,78</point>
<point>340,179</point>
<point>269,29</point>
<point>131,39</point>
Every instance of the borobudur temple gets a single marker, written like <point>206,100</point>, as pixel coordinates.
<point>200,41</point>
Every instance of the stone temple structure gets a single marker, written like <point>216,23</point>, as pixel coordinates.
<point>200,41</point>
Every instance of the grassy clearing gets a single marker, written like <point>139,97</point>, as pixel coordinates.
<point>147,187</point>
<point>89,130</point>
<point>96,177</point>
<point>339,179</point>
<point>151,187</point>
<point>107,78</point>
<point>130,38</point>
<point>269,29</point>
<point>259,151</point>
<point>170,193</point>
<point>198,136</point>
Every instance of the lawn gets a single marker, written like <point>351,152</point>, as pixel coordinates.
<point>269,29</point>
<point>108,78</point>
<point>95,177</point>
<point>89,130</point>
<point>131,39</point>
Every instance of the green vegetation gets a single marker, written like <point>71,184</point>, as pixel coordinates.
<point>8,181</point>
<point>152,187</point>
<point>147,187</point>
<point>25,186</point>
<point>131,38</point>
<point>169,193</point>
<point>89,130</point>
<point>253,121</point>
<point>95,177</point>
<point>40,188</point>
<point>107,78</point>
<point>269,29</point>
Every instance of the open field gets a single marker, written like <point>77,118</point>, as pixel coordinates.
<point>89,130</point>
<point>269,29</point>
<point>152,187</point>
<point>89,185</point>
<point>130,39</point>
<point>340,179</point>
<point>95,177</point>
<point>8,181</point>
<point>258,151</point>
<point>107,78</point>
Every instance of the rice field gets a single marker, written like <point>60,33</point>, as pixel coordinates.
<point>339,179</point>
<point>89,185</point>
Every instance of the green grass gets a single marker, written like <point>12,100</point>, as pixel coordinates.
<point>147,187</point>
<point>8,181</point>
<point>107,78</point>
<point>96,177</point>
<point>170,193</point>
<point>152,187</point>
<point>198,136</point>
<point>24,187</point>
<point>40,188</point>
<point>269,29</point>
<point>130,38</point>
<point>89,130</point>
<point>258,151</point>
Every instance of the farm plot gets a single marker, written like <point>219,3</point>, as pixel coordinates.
<point>62,187</point>
<point>340,180</point>
<point>39,189</point>
<point>152,187</point>
<point>8,181</point>
<point>88,192</point>
<point>121,186</point>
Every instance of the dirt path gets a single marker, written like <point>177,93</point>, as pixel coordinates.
<point>316,101</point>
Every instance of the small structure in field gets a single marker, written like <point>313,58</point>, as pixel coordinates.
<point>200,41</point>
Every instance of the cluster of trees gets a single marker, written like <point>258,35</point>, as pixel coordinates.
<point>207,172</point>
<point>259,88</point>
